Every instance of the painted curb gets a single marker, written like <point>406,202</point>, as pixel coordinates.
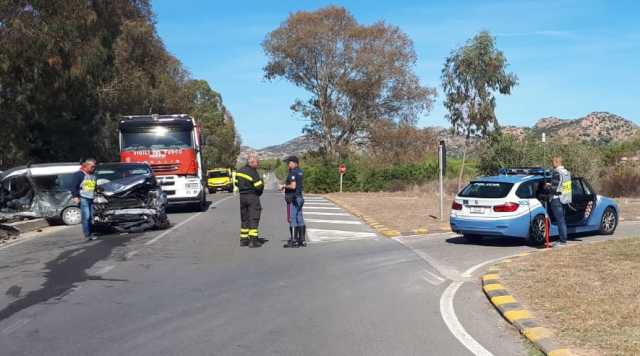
<point>384,230</point>
<point>517,315</point>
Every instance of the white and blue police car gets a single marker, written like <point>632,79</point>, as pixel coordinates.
<point>511,204</point>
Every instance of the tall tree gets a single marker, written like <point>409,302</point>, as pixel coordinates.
<point>356,75</point>
<point>471,76</point>
<point>218,126</point>
<point>70,68</point>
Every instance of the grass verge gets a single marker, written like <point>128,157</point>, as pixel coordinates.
<point>588,295</point>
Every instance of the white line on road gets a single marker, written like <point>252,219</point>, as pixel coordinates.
<point>448,312</point>
<point>162,235</point>
<point>318,203</point>
<point>325,214</point>
<point>342,222</point>
<point>16,325</point>
<point>319,235</point>
<point>319,208</point>
<point>105,269</point>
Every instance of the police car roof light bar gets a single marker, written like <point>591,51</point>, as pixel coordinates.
<point>527,171</point>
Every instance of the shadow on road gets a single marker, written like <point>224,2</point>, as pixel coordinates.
<point>65,272</point>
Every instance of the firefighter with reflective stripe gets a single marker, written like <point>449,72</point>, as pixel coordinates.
<point>293,189</point>
<point>250,186</point>
<point>561,191</point>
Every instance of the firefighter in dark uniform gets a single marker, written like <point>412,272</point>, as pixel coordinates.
<point>293,189</point>
<point>250,186</point>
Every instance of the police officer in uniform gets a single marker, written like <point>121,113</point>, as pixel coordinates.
<point>293,189</point>
<point>250,186</point>
<point>561,194</point>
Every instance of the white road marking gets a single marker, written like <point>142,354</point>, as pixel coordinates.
<point>304,209</point>
<point>313,203</point>
<point>162,235</point>
<point>448,313</point>
<point>341,222</point>
<point>130,254</point>
<point>105,269</point>
<point>319,235</point>
<point>432,278</point>
<point>448,272</point>
<point>325,214</point>
<point>16,325</point>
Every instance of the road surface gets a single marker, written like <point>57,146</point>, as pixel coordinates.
<point>192,290</point>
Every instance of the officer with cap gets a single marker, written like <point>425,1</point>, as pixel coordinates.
<point>250,186</point>
<point>293,189</point>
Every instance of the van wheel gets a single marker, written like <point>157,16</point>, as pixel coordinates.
<point>203,203</point>
<point>537,231</point>
<point>71,215</point>
<point>609,221</point>
<point>473,238</point>
<point>212,191</point>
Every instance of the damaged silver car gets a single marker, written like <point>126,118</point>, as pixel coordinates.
<point>39,191</point>
<point>128,199</point>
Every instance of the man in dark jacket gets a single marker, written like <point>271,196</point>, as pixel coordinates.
<point>293,189</point>
<point>250,186</point>
<point>83,186</point>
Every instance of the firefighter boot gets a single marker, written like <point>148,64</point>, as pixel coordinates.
<point>244,242</point>
<point>301,236</point>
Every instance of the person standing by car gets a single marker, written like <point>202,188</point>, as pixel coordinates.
<point>250,186</point>
<point>293,189</point>
<point>560,190</point>
<point>83,187</point>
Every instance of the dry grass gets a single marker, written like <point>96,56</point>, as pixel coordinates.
<point>630,208</point>
<point>417,208</point>
<point>589,294</point>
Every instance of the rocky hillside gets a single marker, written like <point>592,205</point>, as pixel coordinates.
<point>296,146</point>
<point>597,127</point>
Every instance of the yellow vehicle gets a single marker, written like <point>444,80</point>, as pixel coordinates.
<point>220,179</point>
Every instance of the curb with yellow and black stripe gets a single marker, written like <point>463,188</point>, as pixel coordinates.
<point>517,315</point>
<point>384,230</point>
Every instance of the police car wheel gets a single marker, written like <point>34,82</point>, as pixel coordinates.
<point>537,231</point>
<point>609,221</point>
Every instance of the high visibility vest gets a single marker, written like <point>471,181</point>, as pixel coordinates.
<point>564,187</point>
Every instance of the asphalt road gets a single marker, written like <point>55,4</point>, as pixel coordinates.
<point>192,290</point>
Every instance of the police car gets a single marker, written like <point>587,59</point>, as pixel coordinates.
<point>511,204</point>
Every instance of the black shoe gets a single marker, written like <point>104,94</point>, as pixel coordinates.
<point>254,243</point>
<point>244,242</point>
<point>301,236</point>
<point>262,240</point>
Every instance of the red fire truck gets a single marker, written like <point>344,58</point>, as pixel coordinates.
<point>172,145</point>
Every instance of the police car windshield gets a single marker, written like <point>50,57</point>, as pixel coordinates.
<point>490,190</point>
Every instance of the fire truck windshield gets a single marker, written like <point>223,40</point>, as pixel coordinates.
<point>157,137</point>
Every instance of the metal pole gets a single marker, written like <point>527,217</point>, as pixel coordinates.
<point>441,161</point>
<point>341,182</point>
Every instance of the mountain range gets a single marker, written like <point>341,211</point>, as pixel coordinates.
<point>596,127</point>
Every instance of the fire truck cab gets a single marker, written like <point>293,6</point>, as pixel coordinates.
<point>172,146</point>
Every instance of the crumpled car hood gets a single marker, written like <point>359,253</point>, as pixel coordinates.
<point>123,185</point>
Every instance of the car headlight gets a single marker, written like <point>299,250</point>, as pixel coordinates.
<point>192,185</point>
<point>100,200</point>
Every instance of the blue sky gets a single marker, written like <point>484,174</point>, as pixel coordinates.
<point>572,57</point>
